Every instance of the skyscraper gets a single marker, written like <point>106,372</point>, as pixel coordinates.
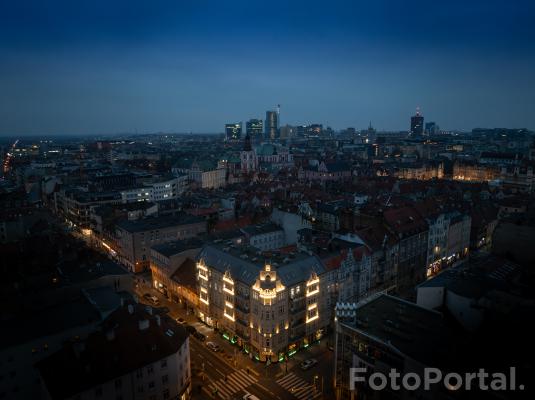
<point>272,125</point>
<point>431,128</point>
<point>233,131</point>
<point>254,128</point>
<point>417,124</point>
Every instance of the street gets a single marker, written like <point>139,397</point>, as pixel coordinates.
<point>231,374</point>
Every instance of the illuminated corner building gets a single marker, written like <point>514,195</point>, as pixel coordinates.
<point>269,307</point>
<point>254,128</point>
<point>385,333</point>
<point>233,131</point>
<point>271,127</point>
<point>417,124</point>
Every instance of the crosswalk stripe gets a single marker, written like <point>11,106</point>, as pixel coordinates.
<point>302,389</point>
<point>293,381</point>
<point>286,378</point>
<point>301,392</point>
<point>248,378</point>
<point>223,392</point>
<point>236,382</point>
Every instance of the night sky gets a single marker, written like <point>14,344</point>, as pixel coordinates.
<point>90,67</point>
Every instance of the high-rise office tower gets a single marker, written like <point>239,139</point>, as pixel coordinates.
<point>272,125</point>
<point>233,131</point>
<point>417,124</point>
<point>431,128</point>
<point>254,128</point>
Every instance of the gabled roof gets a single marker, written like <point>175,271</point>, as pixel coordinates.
<point>220,260</point>
<point>300,270</point>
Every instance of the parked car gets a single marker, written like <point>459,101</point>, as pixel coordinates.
<point>190,329</point>
<point>212,346</point>
<point>199,336</point>
<point>307,364</point>
<point>152,299</point>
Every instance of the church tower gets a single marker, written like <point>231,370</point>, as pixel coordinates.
<point>248,158</point>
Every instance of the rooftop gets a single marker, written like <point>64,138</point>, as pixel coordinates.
<point>410,329</point>
<point>47,315</point>
<point>170,249</point>
<point>107,354</point>
<point>253,230</point>
<point>244,263</point>
<point>152,223</point>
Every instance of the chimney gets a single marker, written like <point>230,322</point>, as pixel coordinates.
<point>130,309</point>
<point>143,324</point>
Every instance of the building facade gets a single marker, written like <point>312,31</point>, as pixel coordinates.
<point>271,126</point>
<point>98,368</point>
<point>135,238</point>
<point>270,309</point>
<point>166,189</point>
<point>255,129</point>
<point>233,131</point>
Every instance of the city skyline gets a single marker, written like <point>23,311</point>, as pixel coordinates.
<point>132,67</point>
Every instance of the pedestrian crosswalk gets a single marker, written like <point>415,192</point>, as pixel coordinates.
<point>300,388</point>
<point>234,382</point>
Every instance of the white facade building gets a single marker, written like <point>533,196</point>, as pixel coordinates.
<point>163,190</point>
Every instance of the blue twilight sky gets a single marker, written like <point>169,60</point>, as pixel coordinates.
<point>177,66</point>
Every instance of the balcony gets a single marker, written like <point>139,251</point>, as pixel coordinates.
<point>298,310</point>
<point>243,309</point>
<point>298,323</point>
<point>242,295</point>
<point>242,323</point>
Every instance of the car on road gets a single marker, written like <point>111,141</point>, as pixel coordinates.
<point>199,336</point>
<point>151,298</point>
<point>212,346</point>
<point>181,320</point>
<point>250,396</point>
<point>307,364</point>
